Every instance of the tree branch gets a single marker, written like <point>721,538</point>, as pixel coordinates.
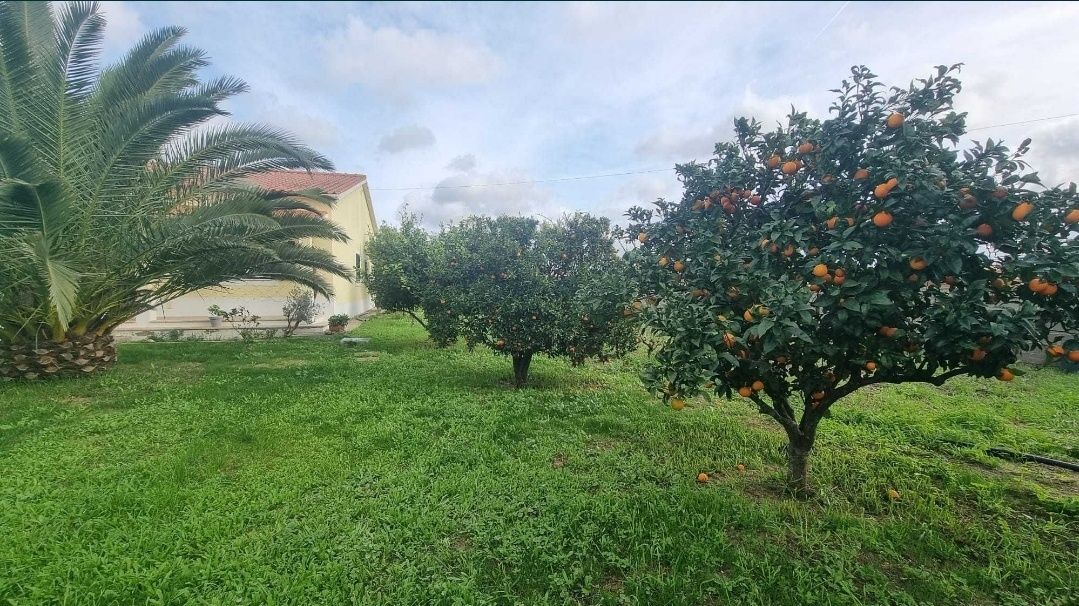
<point>788,423</point>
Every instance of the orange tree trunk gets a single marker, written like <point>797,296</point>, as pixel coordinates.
<point>46,359</point>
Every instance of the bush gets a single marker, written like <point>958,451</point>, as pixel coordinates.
<point>300,307</point>
<point>823,257</point>
<point>338,319</point>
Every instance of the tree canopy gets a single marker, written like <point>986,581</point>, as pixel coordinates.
<point>806,262</point>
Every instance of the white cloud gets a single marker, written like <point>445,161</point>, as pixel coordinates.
<point>406,138</point>
<point>310,128</point>
<point>395,61</point>
<point>641,190</point>
<point>465,163</point>
<point>506,192</point>
<point>123,26</point>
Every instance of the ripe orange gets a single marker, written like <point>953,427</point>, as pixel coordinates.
<point>1021,210</point>
<point>805,148</point>
<point>663,261</point>
<point>881,191</point>
<point>882,219</point>
<point>831,223</point>
<point>968,202</point>
<point>642,237</point>
<point>918,264</point>
<point>678,403</point>
<point>827,179</point>
<point>870,366</point>
<point>790,167</point>
<point>1037,285</point>
<point>814,288</point>
<point>679,266</point>
<point>757,385</point>
<point>840,272</point>
<point>729,339</point>
<point>1073,355</point>
<point>850,222</point>
<point>896,120</point>
<point>820,270</point>
<point>861,174</point>
<point>755,200</point>
<point>838,280</point>
<point>745,392</point>
<point>814,251</point>
<point>999,283</point>
<point>978,354</point>
<point>747,316</point>
<point>1000,193</point>
<point>1049,290</point>
<point>984,230</point>
<point>702,478</point>
<point>774,161</point>
<point>1005,375</point>
<point>1055,351</point>
<point>888,331</point>
<point>788,250</point>
<point>1072,217</point>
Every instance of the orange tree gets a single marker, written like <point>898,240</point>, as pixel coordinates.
<point>808,262</point>
<point>513,284</point>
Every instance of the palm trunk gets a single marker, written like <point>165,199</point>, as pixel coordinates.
<point>77,356</point>
<point>521,361</point>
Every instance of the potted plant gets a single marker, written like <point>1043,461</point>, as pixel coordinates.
<point>337,322</point>
<point>216,315</point>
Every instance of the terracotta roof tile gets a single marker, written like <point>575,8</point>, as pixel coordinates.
<point>296,180</point>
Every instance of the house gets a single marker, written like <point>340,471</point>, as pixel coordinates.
<point>264,298</point>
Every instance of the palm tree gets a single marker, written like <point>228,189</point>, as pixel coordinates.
<point>119,192</point>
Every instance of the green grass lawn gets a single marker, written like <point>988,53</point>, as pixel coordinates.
<point>302,472</point>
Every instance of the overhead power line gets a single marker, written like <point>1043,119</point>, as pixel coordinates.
<point>650,170</point>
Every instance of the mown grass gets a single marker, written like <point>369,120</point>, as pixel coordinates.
<point>302,472</point>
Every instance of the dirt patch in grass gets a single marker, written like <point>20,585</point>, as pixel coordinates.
<point>282,363</point>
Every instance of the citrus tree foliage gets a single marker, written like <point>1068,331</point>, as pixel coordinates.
<point>810,261</point>
<point>398,272</point>
<point>523,288</point>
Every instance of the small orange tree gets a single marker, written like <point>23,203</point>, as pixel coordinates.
<point>806,263</point>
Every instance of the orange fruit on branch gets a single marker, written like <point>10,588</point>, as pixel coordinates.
<point>757,385</point>
<point>1037,285</point>
<point>679,266</point>
<point>881,191</point>
<point>1005,375</point>
<point>805,148</point>
<point>663,261</point>
<point>820,270</point>
<point>1021,210</point>
<point>642,237</point>
<point>1000,193</point>
<point>1073,355</point>
<point>978,354</point>
<point>968,202</point>
<point>984,230</point>
<point>861,174</point>
<point>790,167</point>
<point>745,391</point>
<point>1049,290</point>
<point>773,161</point>
<point>918,264</point>
<point>896,120</point>
<point>870,366</point>
<point>882,219</point>
<point>1055,351</point>
<point>1072,217</point>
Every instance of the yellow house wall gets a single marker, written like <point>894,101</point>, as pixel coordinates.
<point>353,212</point>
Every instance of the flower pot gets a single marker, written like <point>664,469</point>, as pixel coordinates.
<point>336,328</point>
<point>215,321</point>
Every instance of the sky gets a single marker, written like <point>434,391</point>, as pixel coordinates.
<point>427,98</point>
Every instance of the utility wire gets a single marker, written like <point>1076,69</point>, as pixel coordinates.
<point>651,170</point>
